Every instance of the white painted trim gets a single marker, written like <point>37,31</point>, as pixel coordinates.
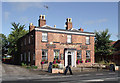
<point>73,58</point>
<point>68,32</point>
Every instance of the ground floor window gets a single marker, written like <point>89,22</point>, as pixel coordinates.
<point>29,56</point>
<point>25,56</point>
<point>88,56</point>
<point>44,54</point>
<point>56,54</point>
<point>79,56</point>
<point>21,57</point>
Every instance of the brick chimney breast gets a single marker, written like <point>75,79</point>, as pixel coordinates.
<point>69,23</point>
<point>41,21</point>
<point>31,27</point>
<point>81,29</point>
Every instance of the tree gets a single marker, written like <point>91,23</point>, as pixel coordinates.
<point>103,46</point>
<point>17,32</point>
<point>3,44</point>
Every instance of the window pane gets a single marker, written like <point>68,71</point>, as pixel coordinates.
<point>87,54</point>
<point>21,57</point>
<point>29,56</point>
<point>68,38</point>
<point>56,54</point>
<point>29,39</point>
<point>79,56</point>
<point>24,56</point>
<point>44,55</point>
<point>87,40</point>
<point>44,36</point>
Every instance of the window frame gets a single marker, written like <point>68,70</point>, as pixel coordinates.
<point>86,40</point>
<point>45,34</point>
<point>45,53</point>
<point>69,37</point>
<point>25,56</point>
<point>29,40</point>
<point>79,55</point>
<point>21,55</point>
<point>29,57</point>
<point>89,53</point>
<point>58,54</point>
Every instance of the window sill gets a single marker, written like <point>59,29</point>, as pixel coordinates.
<point>88,44</point>
<point>69,43</point>
<point>44,41</point>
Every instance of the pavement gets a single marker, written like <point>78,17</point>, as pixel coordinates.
<point>18,74</point>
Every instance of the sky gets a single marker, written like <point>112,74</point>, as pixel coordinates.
<point>90,16</point>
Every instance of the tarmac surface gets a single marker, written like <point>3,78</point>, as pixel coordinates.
<point>18,74</point>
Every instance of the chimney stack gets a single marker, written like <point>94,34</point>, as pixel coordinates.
<point>31,27</point>
<point>81,29</point>
<point>41,21</point>
<point>54,26</point>
<point>69,23</point>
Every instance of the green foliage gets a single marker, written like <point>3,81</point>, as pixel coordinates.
<point>23,65</point>
<point>28,66</point>
<point>55,65</point>
<point>34,67</point>
<point>3,44</point>
<point>103,44</point>
<point>17,32</point>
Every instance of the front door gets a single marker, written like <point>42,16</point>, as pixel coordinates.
<point>69,60</point>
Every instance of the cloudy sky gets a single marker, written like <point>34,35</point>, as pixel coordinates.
<point>90,16</point>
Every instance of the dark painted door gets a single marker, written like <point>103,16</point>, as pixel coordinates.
<point>69,59</point>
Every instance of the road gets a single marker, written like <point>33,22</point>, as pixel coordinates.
<point>22,75</point>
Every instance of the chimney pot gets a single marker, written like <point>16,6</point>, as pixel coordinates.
<point>81,29</point>
<point>54,26</point>
<point>31,24</point>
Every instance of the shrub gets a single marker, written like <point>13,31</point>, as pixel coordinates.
<point>28,67</point>
<point>55,65</point>
<point>88,60</point>
<point>23,64</point>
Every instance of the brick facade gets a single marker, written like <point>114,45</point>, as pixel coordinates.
<point>56,40</point>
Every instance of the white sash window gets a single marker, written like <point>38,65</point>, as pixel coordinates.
<point>44,36</point>
<point>69,39</point>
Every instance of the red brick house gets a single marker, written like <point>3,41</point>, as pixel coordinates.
<point>45,44</point>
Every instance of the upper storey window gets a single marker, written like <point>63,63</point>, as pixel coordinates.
<point>44,37</point>
<point>69,39</point>
<point>87,40</point>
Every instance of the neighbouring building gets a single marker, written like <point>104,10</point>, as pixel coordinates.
<point>116,54</point>
<point>44,44</point>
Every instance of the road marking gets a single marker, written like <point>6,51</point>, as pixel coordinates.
<point>56,76</point>
<point>21,78</point>
<point>99,74</point>
<point>86,74</point>
<point>80,75</point>
<point>109,78</point>
<point>111,73</point>
<point>94,80</point>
